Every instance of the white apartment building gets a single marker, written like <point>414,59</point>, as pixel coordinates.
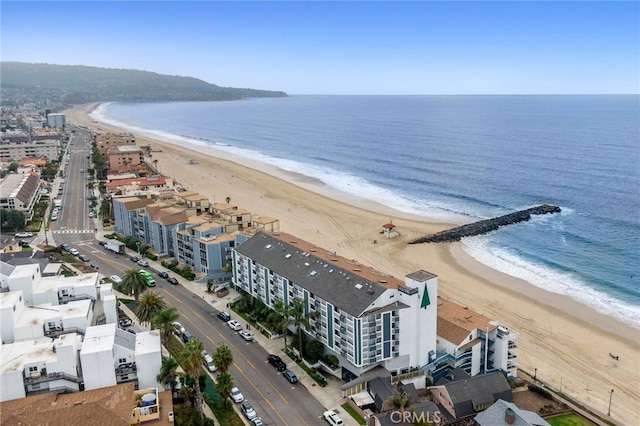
<point>20,192</point>
<point>50,341</point>
<point>15,151</point>
<point>364,317</point>
<point>56,120</point>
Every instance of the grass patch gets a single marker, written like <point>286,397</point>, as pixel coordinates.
<point>353,413</point>
<point>570,419</point>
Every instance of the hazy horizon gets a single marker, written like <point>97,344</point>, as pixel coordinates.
<point>344,48</point>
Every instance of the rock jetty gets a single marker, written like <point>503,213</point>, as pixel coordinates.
<point>485,226</point>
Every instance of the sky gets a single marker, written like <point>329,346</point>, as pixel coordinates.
<point>363,48</point>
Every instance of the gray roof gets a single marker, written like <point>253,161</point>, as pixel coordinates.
<point>315,271</point>
<point>408,389</point>
<point>427,408</point>
<point>381,390</point>
<point>495,416</point>
<point>478,390</point>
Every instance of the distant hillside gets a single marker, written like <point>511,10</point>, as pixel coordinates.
<point>73,84</point>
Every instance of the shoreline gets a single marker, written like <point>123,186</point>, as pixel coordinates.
<point>561,337</point>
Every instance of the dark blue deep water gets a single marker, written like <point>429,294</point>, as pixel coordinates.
<point>459,159</point>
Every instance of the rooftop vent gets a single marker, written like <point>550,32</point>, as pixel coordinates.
<point>306,263</point>
<point>358,286</point>
<point>268,246</point>
<point>370,291</point>
<point>313,273</point>
<point>331,271</point>
<point>357,269</point>
<point>288,255</point>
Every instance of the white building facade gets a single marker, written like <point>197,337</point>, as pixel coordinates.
<point>364,317</point>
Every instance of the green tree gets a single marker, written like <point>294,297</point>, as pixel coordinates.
<point>133,282</point>
<point>164,322</point>
<point>222,358</point>
<point>191,361</point>
<point>400,401</point>
<point>224,384</point>
<point>283,313</point>
<point>150,304</point>
<point>13,167</point>
<point>313,350</point>
<point>168,375</point>
<point>300,319</point>
<point>11,220</point>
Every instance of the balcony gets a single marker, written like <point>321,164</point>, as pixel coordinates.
<point>126,372</point>
<point>37,377</point>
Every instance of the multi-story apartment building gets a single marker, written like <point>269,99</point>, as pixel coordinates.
<point>56,120</point>
<point>50,341</point>
<point>125,158</point>
<point>20,192</point>
<point>108,140</point>
<point>364,317</point>
<point>472,342</point>
<point>14,151</point>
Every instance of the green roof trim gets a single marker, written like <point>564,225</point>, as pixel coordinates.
<point>425,298</point>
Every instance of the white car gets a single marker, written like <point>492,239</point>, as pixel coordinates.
<point>246,335</point>
<point>234,325</point>
<point>178,327</point>
<point>24,235</point>
<point>236,395</point>
<point>116,279</point>
<point>142,262</point>
<point>333,418</point>
<point>74,251</point>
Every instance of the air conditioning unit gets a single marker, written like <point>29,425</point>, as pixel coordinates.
<point>170,416</point>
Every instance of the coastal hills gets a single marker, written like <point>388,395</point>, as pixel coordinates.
<point>75,84</point>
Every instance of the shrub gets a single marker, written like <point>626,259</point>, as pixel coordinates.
<point>540,390</point>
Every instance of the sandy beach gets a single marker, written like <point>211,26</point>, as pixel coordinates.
<point>566,342</point>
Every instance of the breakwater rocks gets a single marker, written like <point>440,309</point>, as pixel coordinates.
<point>485,226</point>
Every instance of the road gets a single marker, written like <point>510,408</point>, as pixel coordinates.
<point>275,400</point>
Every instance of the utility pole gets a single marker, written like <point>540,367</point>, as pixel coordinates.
<point>610,396</point>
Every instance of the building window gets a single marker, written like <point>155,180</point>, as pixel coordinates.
<point>122,360</point>
<point>31,369</point>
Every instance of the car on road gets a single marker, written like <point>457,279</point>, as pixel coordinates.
<point>332,418</point>
<point>65,247</point>
<point>102,243</point>
<point>134,258</point>
<point>187,336</point>
<point>83,258</point>
<point>24,234</point>
<point>172,280</point>
<point>208,362</point>
<point>236,395</point>
<point>277,362</point>
<point>234,325</point>
<point>246,335</point>
<point>116,279</point>
<point>178,327</point>
<point>248,410</point>
<point>257,421</point>
<point>74,252</point>
<point>290,376</point>
<point>163,275</point>
<point>142,262</point>
<point>224,316</point>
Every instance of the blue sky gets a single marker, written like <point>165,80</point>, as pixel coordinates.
<point>343,47</point>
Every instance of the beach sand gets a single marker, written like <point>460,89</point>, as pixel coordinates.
<point>566,342</point>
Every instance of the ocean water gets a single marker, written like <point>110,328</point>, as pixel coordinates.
<point>458,159</point>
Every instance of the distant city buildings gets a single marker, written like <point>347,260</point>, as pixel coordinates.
<point>56,120</point>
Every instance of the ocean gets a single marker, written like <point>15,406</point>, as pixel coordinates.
<point>457,159</point>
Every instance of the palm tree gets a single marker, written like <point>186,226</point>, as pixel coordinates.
<point>224,384</point>
<point>133,282</point>
<point>168,373</point>
<point>223,358</point>
<point>155,164</point>
<point>164,321</point>
<point>191,361</point>
<point>284,313</point>
<point>150,304</point>
<point>300,319</point>
<point>399,401</point>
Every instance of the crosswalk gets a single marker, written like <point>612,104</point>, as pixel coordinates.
<point>73,231</point>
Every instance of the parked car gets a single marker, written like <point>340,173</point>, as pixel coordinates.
<point>172,280</point>
<point>332,418</point>
<point>65,247</point>
<point>134,258</point>
<point>116,279</point>
<point>277,362</point>
<point>290,376</point>
<point>24,234</point>
<point>163,275</point>
<point>187,336</point>
<point>257,421</point>
<point>246,335</point>
<point>74,252</point>
<point>178,327</point>
<point>234,325</point>
<point>208,362</point>
<point>83,258</point>
<point>142,262</point>
<point>236,395</point>
<point>125,322</point>
<point>248,410</point>
<point>224,316</point>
